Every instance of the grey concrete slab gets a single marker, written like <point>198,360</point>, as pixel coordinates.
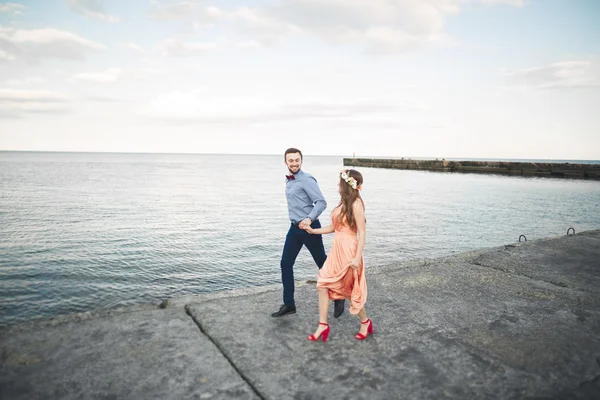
<point>570,261</point>
<point>403,359</point>
<point>527,324</point>
<point>444,329</point>
<point>595,234</point>
<point>151,354</point>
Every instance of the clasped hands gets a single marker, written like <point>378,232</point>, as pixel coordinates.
<point>305,225</point>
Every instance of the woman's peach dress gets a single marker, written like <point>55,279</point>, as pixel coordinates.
<point>344,282</point>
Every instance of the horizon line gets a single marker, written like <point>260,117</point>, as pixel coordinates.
<point>277,154</point>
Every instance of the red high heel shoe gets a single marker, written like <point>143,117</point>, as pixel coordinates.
<point>323,335</point>
<point>360,336</point>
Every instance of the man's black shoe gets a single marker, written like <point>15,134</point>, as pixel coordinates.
<point>338,308</point>
<point>284,310</point>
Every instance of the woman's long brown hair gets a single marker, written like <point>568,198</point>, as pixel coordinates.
<point>349,196</point>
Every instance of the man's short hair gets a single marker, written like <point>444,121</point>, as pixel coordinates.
<point>292,150</point>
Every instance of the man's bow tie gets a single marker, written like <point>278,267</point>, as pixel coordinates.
<point>292,177</point>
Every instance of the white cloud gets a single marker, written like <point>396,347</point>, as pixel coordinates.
<point>18,103</point>
<point>43,96</point>
<point>142,74</point>
<point>107,76</point>
<point>112,75</point>
<point>198,107</point>
<point>137,48</point>
<point>44,43</point>
<point>104,99</point>
<point>391,40</point>
<point>6,55</point>
<point>248,44</point>
<point>263,28</point>
<point>213,12</point>
<point>562,75</point>
<point>379,26</point>
<point>181,48</point>
<point>12,8</point>
<point>91,9</point>
<point>189,9</point>
<point>182,9</point>
<point>517,3</point>
<point>31,80</point>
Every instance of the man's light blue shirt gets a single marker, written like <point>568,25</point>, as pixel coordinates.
<point>304,197</point>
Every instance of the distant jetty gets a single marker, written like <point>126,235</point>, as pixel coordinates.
<point>551,170</point>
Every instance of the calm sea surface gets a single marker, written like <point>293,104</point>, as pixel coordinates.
<point>82,231</point>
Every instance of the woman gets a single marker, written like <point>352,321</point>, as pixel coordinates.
<point>343,275</point>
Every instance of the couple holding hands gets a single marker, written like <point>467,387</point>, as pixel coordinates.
<point>341,273</point>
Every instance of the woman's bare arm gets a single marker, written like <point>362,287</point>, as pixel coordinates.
<point>321,231</point>
<point>359,217</point>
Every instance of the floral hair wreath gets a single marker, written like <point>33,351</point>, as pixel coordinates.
<point>349,180</point>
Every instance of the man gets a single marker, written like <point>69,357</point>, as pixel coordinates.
<point>305,204</point>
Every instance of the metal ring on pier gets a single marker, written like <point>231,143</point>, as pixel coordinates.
<point>569,230</point>
<point>522,236</point>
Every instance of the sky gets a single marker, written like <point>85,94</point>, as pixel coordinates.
<point>397,78</point>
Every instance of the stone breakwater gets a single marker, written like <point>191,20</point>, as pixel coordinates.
<point>553,170</point>
<point>519,321</point>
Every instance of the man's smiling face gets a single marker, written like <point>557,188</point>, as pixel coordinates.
<point>293,162</point>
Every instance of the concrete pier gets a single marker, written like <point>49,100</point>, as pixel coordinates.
<point>519,321</point>
<point>551,170</point>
